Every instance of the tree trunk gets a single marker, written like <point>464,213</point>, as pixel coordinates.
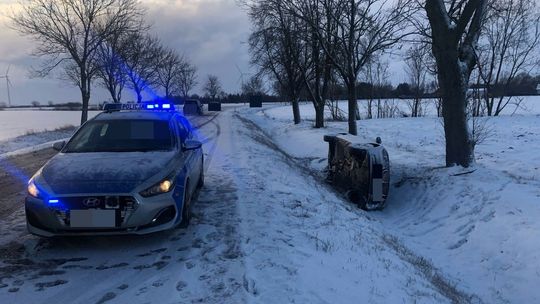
<point>489,105</point>
<point>353,108</point>
<point>319,115</point>
<point>85,102</point>
<point>85,94</point>
<point>118,96</point>
<point>296,111</point>
<point>499,106</point>
<point>453,46</point>
<point>459,148</point>
<point>139,95</point>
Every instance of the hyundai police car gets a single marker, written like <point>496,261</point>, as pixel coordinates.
<point>132,169</point>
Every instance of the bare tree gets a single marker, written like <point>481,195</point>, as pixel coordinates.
<point>110,72</point>
<point>416,68</point>
<point>455,29</point>
<point>363,28</point>
<point>69,33</point>
<point>168,69</point>
<point>141,62</point>
<point>433,84</point>
<point>186,77</point>
<point>110,63</point>
<point>275,46</point>
<point>320,44</point>
<point>508,47</point>
<point>433,88</point>
<point>212,87</point>
<point>254,86</point>
<point>376,74</point>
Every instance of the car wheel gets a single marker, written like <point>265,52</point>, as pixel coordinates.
<point>186,209</point>
<point>200,184</point>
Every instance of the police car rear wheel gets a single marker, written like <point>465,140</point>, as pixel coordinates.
<point>186,210</point>
<point>200,184</point>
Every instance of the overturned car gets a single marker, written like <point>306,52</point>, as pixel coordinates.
<point>361,169</point>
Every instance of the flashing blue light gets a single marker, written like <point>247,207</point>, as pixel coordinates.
<point>138,106</point>
<point>53,201</point>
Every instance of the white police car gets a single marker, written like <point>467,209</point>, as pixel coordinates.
<point>132,169</point>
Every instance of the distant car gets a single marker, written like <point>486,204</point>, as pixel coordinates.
<point>132,169</point>
<point>193,107</point>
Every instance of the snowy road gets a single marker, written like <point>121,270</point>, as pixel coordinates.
<point>263,232</point>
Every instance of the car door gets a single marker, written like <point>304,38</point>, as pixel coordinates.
<point>190,163</point>
<point>197,154</point>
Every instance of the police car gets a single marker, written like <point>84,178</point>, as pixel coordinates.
<point>132,169</point>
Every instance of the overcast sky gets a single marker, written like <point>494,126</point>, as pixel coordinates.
<point>212,33</point>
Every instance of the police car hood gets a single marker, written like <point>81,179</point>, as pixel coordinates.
<point>71,173</point>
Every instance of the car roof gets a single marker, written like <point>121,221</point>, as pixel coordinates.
<point>136,115</point>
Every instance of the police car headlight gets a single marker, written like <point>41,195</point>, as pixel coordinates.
<point>33,189</point>
<point>163,186</point>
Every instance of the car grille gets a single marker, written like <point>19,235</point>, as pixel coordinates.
<point>99,202</point>
<point>123,205</point>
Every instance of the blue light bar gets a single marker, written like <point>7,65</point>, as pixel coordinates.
<point>114,107</point>
<point>53,201</point>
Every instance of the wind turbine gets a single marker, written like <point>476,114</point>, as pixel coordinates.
<point>8,84</point>
<point>242,74</point>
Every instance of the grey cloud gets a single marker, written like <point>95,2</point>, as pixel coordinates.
<point>212,33</point>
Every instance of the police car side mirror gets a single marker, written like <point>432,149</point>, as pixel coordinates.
<point>58,146</point>
<point>191,145</point>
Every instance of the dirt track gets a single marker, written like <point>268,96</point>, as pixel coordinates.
<point>14,173</point>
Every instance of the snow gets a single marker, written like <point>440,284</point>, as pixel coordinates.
<point>263,232</point>
<point>267,229</point>
<point>77,177</point>
<point>33,142</point>
<point>480,229</point>
<point>17,123</point>
<point>527,105</point>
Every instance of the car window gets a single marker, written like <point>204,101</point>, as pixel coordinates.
<point>183,132</point>
<point>187,126</point>
<point>122,136</point>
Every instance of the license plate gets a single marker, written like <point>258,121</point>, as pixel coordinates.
<point>92,218</point>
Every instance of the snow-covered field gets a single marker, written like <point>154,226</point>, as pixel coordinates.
<point>17,123</point>
<point>35,141</point>
<point>266,230</point>
<point>480,229</point>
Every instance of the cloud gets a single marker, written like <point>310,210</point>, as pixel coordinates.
<point>212,33</point>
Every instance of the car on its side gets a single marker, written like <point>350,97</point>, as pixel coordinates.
<point>132,169</point>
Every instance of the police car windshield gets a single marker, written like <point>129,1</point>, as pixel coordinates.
<point>122,136</point>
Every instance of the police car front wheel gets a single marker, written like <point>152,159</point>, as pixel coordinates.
<point>186,210</point>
